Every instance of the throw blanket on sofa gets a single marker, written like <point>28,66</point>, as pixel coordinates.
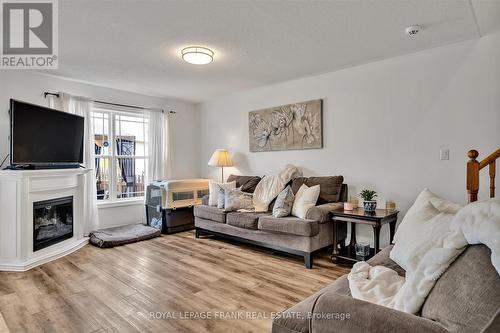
<point>476,223</point>
<point>270,186</point>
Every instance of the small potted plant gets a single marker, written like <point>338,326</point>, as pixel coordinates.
<point>369,202</point>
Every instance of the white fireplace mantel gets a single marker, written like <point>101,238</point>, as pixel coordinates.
<point>19,189</point>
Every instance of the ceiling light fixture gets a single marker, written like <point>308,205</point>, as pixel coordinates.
<point>197,55</point>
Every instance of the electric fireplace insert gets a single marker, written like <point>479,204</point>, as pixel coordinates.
<point>52,222</point>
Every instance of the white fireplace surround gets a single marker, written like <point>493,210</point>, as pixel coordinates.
<point>18,191</point>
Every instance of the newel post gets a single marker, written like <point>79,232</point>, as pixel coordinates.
<point>472,175</point>
<point>492,178</point>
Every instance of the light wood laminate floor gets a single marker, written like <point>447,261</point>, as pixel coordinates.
<point>179,278</point>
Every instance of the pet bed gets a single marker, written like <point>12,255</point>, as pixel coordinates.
<point>115,236</point>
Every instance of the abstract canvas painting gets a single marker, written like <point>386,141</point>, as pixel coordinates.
<point>287,127</point>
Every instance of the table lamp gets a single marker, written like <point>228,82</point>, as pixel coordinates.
<point>221,158</point>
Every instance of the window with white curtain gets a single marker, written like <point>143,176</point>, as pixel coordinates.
<point>121,152</point>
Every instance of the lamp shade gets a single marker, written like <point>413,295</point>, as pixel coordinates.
<point>220,158</point>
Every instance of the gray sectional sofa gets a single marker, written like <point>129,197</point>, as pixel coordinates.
<point>465,299</point>
<point>287,234</point>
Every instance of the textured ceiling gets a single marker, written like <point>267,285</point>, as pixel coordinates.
<point>135,45</point>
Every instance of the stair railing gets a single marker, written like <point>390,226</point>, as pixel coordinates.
<point>473,168</point>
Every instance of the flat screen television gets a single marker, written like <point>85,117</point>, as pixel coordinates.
<point>41,137</point>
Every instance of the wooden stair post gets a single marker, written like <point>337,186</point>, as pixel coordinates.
<point>492,179</point>
<point>472,175</point>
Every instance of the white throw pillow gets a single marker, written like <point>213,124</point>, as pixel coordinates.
<point>305,198</point>
<point>213,190</point>
<point>428,219</point>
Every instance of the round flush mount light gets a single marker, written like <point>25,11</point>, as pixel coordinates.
<point>412,30</point>
<point>197,55</point>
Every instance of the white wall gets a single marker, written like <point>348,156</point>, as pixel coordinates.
<point>384,123</point>
<point>29,86</point>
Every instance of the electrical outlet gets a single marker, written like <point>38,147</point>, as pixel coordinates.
<point>444,154</point>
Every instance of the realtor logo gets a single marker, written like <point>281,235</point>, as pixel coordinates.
<point>29,34</point>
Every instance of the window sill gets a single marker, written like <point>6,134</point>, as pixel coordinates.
<point>119,203</point>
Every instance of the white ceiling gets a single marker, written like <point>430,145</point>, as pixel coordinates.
<point>135,45</point>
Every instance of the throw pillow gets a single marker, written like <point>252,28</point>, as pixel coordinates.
<point>428,218</point>
<point>237,199</point>
<point>247,183</point>
<point>250,185</point>
<point>221,198</point>
<point>284,202</point>
<point>330,187</point>
<point>305,198</point>
<point>213,191</point>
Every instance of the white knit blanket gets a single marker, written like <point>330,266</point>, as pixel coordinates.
<point>476,223</point>
<point>270,186</point>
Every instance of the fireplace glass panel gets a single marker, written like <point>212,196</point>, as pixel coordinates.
<point>52,222</point>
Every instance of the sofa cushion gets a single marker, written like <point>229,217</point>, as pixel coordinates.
<point>247,183</point>
<point>289,225</point>
<point>244,220</point>
<point>382,259</point>
<point>467,296</point>
<point>329,187</point>
<point>295,319</point>
<point>494,324</point>
<point>210,213</point>
<point>357,316</point>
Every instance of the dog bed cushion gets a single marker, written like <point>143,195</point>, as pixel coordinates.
<point>115,236</point>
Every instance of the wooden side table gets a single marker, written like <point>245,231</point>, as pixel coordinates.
<point>376,219</point>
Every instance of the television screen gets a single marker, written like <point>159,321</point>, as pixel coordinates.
<point>43,136</point>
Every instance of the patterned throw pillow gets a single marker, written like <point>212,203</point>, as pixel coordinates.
<point>284,202</point>
<point>214,187</point>
<point>220,198</point>
<point>237,199</point>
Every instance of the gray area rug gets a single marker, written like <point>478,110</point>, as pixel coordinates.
<point>115,236</point>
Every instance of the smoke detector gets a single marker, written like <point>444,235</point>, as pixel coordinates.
<point>412,30</point>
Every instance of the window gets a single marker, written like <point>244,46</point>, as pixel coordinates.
<point>121,153</point>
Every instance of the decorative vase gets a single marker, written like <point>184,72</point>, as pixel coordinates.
<point>370,206</point>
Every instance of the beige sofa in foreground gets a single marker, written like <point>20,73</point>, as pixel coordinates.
<point>465,299</point>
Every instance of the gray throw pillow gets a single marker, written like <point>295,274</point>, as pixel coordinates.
<point>330,187</point>
<point>250,185</point>
<point>284,203</point>
<point>237,199</point>
<point>247,183</point>
<point>220,198</point>
<point>220,192</point>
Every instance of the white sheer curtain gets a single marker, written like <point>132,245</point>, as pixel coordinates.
<point>81,106</point>
<point>159,150</point>
<point>169,151</point>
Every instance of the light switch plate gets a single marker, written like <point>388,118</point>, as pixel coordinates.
<point>444,154</point>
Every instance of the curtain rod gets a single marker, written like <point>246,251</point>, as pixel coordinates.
<point>45,93</point>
